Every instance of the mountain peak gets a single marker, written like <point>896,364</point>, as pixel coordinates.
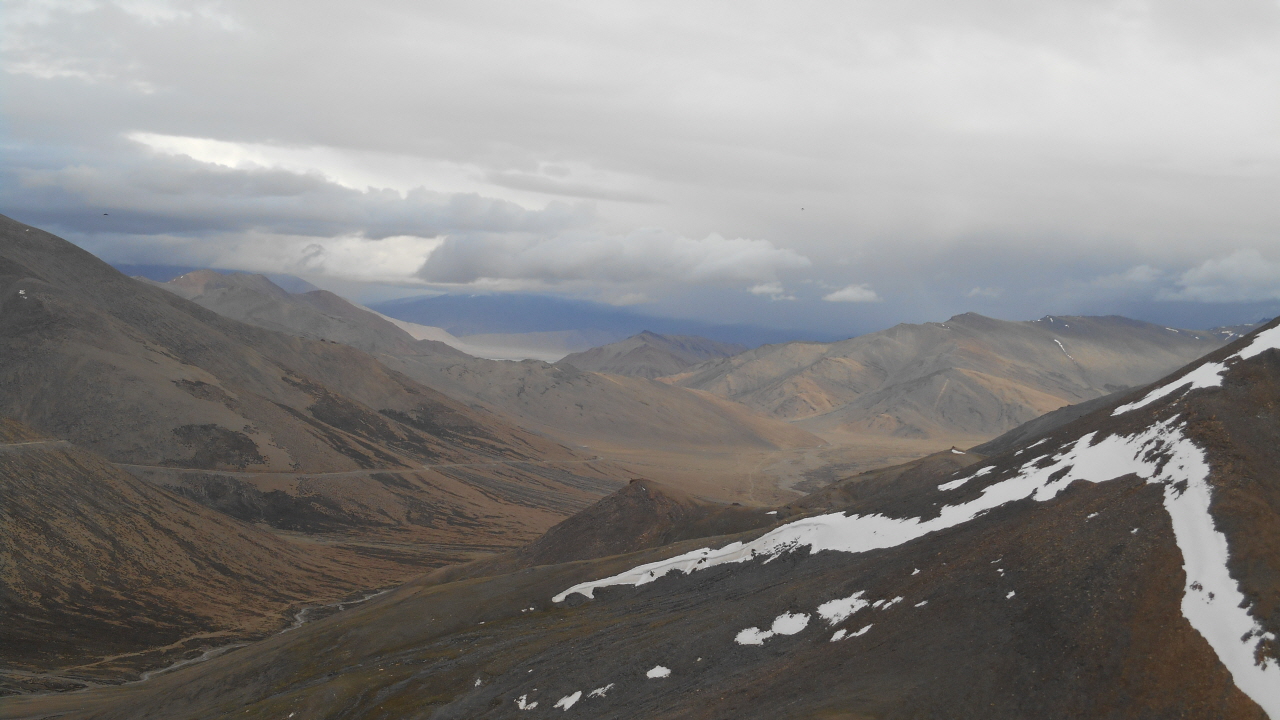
<point>648,354</point>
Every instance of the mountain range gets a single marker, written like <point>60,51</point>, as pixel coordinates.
<point>560,401</point>
<point>1123,564</point>
<point>917,388</point>
<point>205,482</point>
<point>968,378</point>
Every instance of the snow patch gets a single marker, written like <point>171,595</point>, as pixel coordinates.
<point>957,452</point>
<point>838,635</point>
<point>600,691</point>
<point>1011,594</point>
<point>837,611</point>
<point>658,671</point>
<point>784,624</point>
<point>922,603</point>
<point>523,704</point>
<point>567,701</point>
<point>957,483</point>
<point>863,631</point>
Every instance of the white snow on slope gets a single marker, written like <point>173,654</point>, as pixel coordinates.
<point>957,483</point>
<point>567,701</point>
<point>1212,601</point>
<point>839,610</point>
<point>523,703</point>
<point>658,671</point>
<point>1207,375</point>
<point>600,691</point>
<point>1063,349</point>
<point>784,624</point>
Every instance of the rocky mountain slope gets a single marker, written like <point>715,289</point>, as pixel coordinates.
<point>970,376</point>
<point>1125,565</point>
<point>650,355</point>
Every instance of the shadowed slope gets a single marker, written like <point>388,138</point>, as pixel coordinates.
<point>105,573</point>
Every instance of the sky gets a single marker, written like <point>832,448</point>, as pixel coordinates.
<point>830,167</point>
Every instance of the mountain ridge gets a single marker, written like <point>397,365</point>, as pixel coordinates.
<point>650,355</point>
<point>970,375</point>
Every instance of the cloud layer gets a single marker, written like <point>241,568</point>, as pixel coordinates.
<point>900,161</point>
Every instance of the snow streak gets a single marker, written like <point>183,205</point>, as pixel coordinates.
<point>1207,375</point>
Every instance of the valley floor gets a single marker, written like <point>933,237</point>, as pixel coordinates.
<point>772,478</point>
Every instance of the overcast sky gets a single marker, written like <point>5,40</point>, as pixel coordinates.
<point>834,167</point>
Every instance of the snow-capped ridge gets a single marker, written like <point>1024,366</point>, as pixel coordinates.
<point>1159,454</point>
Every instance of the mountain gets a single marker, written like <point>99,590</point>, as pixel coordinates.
<point>103,574</point>
<point>651,355</point>
<point>1126,565</point>
<point>315,314</point>
<point>465,315</point>
<point>967,378</point>
<point>576,407</point>
<point>642,515</point>
<point>302,433</point>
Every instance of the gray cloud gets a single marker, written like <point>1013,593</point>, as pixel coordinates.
<point>160,195</point>
<point>861,293</point>
<point>1242,276</point>
<point>940,149</point>
<point>646,255</point>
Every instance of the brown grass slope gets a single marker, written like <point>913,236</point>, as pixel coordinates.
<point>1063,608</point>
<point>102,574</point>
<point>971,375</point>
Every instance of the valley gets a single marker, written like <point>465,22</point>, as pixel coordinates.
<point>192,469</point>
